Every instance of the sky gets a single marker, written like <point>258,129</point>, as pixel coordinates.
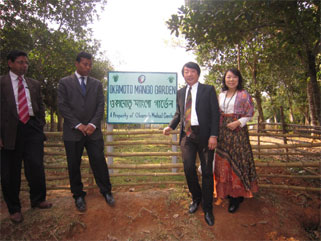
<point>134,35</point>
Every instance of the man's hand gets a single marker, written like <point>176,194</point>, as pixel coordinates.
<point>212,142</point>
<point>89,129</point>
<point>82,128</point>
<point>233,125</point>
<point>167,130</point>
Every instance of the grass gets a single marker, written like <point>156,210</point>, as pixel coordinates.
<point>54,223</point>
<point>61,160</point>
<point>176,195</point>
<point>59,223</point>
<point>142,160</point>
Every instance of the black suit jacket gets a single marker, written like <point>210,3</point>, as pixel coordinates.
<point>9,118</point>
<point>76,108</point>
<point>207,111</point>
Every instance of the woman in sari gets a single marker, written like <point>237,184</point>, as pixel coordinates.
<point>234,175</point>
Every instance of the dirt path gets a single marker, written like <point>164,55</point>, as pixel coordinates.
<point>161,214</point>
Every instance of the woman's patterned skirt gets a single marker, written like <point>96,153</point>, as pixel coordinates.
<point>234,173</point>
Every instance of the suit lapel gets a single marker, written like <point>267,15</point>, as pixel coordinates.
<point>199,92</point>
<point>32,92</point>
<point>10,95</point>
<point>76,83</point>
<point>89,84</point>
<point>183,98</point>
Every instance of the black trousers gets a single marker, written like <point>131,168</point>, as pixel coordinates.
<point>29,148</point>
<point>95,151</point>
<point>190,146</point>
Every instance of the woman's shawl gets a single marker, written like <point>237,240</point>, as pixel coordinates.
<point>244,105</point>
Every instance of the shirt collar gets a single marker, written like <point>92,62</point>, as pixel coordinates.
<point>13,76</point>
<point>78,76</point>
<point>194,86</point>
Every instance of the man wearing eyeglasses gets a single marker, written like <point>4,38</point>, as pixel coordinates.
<point>22,138</point>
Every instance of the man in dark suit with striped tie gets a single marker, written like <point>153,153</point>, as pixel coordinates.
<point>197,112</point>
<point>22,138</point>
<point>81,102</point>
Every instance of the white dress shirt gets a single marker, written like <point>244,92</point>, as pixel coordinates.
<point>78,77</point>
<point>14,82</point>
<point>194,119</point>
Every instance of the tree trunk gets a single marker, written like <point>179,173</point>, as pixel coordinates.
<point>60,122</point>
<point>238,57</point>
<point>284,130</point>
<point>311,103</point>
<point>313,91</point>
<point>291,116</point>
<point>306,118</point>
<point>257,96</point>
<point>258,100</point>
<point>275,119</point>
<point>52,121</point>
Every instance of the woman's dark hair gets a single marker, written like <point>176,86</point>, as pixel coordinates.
<point>238,74</point>
<point>192,65</point>
<point>83,55</point>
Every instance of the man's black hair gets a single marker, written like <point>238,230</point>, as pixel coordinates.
<point>83,55</point>
<point>14,54</point>
<point>192,65</point>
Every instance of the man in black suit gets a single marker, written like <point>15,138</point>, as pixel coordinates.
<point>22,138</point>
<point>198,112</point>
<point>81,103</point>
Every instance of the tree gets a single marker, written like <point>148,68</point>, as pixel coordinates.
<point>52,33</point>
<point>219,27</point>
<point>72,16</point>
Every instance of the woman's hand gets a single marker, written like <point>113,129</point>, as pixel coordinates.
<point>233,125</point>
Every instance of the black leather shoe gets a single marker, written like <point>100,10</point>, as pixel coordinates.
<point>80,204</point>
<point>16,217</point>
<point>209,218</point>
<point>43,205</point>
<point>234,204</point>
<point>109,199</point>
<point>193,206</point>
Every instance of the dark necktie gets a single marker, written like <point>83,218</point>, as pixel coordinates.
<point>22,102</point>
<point>188,113</point>
<point>83,85</point>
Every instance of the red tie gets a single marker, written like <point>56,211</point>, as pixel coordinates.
<point>22,102</point>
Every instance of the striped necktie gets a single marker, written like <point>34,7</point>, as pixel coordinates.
<point>188,113</point>
<point>22,102</point>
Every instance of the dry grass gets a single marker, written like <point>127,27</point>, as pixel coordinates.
<point>51,224</point>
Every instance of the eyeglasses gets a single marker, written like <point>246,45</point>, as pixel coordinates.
<point>22,62</point>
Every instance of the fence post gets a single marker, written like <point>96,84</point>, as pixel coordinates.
<point>284,131</point>
<point>174,149</point>
<point>110,149</point>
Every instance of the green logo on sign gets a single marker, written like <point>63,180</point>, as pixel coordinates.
<point>116,77</point>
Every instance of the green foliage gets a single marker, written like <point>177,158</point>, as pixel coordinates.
<point>72,16</point>
<point>275,44</point>
<point>52,33</point>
